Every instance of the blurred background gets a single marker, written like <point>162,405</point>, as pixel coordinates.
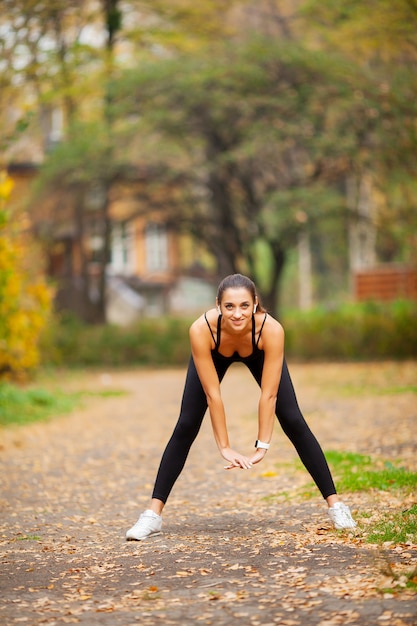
<point>150,147</point>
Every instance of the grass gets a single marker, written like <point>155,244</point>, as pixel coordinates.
<point>357,472</point>
<point>403,389</point>
<point>406,580</point>
<point>23,406</point>
<point>355,390</point>
<point>398,528</point>
<point>29,538</point>
<point>397,577</point>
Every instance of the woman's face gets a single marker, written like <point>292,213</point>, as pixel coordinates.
<point>237,307</point>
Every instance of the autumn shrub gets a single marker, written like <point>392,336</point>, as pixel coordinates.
<point>25,298</point>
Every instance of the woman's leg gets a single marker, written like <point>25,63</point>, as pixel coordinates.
<point>307,446</point>
<point>299,433</point>
<point>193,408</point>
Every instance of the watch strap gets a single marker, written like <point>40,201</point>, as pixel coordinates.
<point>261,444</point>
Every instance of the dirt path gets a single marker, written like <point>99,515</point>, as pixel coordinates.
<point>233,549</point>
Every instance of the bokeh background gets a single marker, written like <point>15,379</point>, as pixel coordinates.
<point>149,148</point>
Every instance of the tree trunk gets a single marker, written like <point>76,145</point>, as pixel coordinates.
<point>305,297</point>
<point>83,281</point>
<point>102,301</point>
<point>270,297</point>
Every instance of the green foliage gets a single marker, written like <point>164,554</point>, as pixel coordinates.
<point>380,28</point>
<point>353,332</point>
<point>156,342</point>
<point>316,335</point>
<point>262,131</point>
<point>398,528</point>
<point>261,136</point>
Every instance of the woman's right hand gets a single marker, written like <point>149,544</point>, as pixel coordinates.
<point>235,459</point>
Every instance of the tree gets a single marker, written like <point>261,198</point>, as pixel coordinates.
<point>65,69</point>
<point>258,138</point>
<point>45,50</point>
<point>56,53</point>
<point>380,35</point>
<point>372,31</point>
<point>85,168</point>
<point>252,142</point>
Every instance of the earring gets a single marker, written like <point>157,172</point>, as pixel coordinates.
<point>218,310</point>
<point>254,308</point>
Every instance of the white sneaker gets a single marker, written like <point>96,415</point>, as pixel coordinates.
<point>341,516</point>
<point>149,523</point>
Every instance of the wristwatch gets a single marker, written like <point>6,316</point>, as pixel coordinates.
<point>261,444</point>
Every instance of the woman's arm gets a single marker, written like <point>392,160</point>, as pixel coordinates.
<point>273,347</point>
<point>201,350</point>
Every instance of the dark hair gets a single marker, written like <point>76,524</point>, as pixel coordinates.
<point>235,281</point>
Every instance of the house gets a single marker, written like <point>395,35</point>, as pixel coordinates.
<point>151,269</point>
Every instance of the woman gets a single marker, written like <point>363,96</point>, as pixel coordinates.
<point>238,329</point>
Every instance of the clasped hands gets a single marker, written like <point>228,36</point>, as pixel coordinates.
<point>236,460</point>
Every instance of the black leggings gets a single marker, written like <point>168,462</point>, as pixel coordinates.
<point>193,408</point>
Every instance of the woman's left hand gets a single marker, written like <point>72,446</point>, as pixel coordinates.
<point>255,458</point>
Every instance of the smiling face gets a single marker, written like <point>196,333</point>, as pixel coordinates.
<point>237,307</point>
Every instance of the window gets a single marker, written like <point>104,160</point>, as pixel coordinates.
<point>123,248</point>
<point>156,241</point>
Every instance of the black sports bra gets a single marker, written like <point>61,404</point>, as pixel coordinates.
<point>236,356</point>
